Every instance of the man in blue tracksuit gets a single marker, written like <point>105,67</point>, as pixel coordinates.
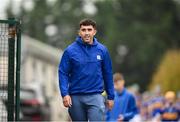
<point>84,72</point>
<point>124,107</point>
<point>170,113</point>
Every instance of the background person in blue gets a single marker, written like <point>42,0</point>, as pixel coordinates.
<point>84,71</point>
<point>124,107</point>
<point>170,112</point>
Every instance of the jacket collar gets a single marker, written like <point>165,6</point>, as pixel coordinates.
<point>122,92</point>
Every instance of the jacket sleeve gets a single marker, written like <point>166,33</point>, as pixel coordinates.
<point>64,72</point>
<point>107,75</point>
<point>132,109</point>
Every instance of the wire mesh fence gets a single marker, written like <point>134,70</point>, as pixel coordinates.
<point>3,70</point>
<point>9,70</point>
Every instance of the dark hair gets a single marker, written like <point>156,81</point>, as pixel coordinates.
<point>86,22</point>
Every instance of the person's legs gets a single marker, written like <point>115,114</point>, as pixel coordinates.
<point>77,111</point>
<point>95,107</point>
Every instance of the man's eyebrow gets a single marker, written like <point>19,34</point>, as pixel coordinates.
<point>86,28</point>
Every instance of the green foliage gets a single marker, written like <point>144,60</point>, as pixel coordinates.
<point>63,14</point>
<point>136,32</point>
<point>168,72</point>
<point>146,28</point>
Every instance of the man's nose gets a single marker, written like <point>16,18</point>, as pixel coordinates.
<point>86,32</point>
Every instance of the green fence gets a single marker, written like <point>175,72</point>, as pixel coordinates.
<point>10,48</point>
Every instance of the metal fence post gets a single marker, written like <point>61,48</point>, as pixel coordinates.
<point>18,63</point>
<point>10,61</point>
<point>11,54</point>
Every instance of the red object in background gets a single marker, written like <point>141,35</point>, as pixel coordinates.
<point>37,118</point>
<point>32,102</point>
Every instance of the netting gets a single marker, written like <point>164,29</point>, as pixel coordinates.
<point>3,70</point>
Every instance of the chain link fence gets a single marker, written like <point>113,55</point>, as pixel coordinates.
<point>3,70</point>
<point>9,70</point>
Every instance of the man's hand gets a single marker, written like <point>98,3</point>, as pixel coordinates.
<point>121,118</point>
<point>110,104</point>
<point>67,101</point>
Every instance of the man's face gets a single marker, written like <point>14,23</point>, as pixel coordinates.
<point>87,33</point>
<point>170,100</point>
<point>119,85</point>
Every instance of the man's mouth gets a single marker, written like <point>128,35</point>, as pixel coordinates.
<point>87,37</point>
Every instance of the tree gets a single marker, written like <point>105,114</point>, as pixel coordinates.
<point>51,22</point>
<point>167,74</point>
<point>136,32</point>
<point>143,30</point>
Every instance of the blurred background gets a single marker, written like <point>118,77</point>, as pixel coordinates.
<point>143,38</point>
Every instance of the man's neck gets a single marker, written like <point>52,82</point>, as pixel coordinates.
<point>120,91</point>
<point>90,43</point>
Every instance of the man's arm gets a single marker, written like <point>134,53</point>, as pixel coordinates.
<point>132,109</point>
<point>107,75</point>
<point>64,71</point>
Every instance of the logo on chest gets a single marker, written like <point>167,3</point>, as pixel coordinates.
<point>99,57</point>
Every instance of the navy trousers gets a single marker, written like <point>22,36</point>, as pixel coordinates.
<point>87,108</point>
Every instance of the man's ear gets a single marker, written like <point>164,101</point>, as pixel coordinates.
<point>95,32</point>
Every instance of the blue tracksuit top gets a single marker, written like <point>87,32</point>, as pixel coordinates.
<point>125,104</point>
<point>86,69</point>
<point>170,114</point>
